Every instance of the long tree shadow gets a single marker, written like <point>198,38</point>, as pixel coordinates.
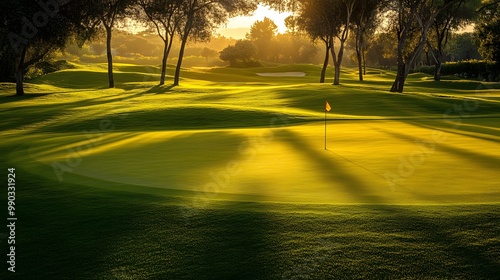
<point>486,161</point>
<point>26,96</point>
<point>333,170</point>
<point>122,234</point>
<point>171,162</point>
<point>464,253</point>
<point>488,133</point>
<point>15,117</point>
<point>159,89</point>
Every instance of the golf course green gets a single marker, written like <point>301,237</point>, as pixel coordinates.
<point>231,175</point>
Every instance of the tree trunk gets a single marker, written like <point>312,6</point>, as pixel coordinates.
<point>110,57</point>
<point>343,38</point>
<point>325,64</point>
<point>360,63</point>
<point>19,75</point>
<point>336,78</point>
<point>335,59</point>
<point>364,63</point>
<point>19,82</point>
<point>185,37</point>
<point>399,82</point>
<point>338,64</point>
<point>166,53</point>
<point>164,64</point>
<point>405,64</point>
<point>358,54</point>
<point>438,57</point>
<point>437,70</point>
<point>179,62</point>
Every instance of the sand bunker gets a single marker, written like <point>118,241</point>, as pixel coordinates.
<point>283,74</point>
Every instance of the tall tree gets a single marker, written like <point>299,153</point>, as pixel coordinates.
<point>317,21</point>
<point>462,46</point>
<point>327,20</point>
<point>365,20</point>
<point>243,51</point>
<point>291,23</point>
<point>452,17</point>
<point>382,51</point>
<point>109,12</point>
<point>346,11</point>
<point>411,22</point>
<point>202,16</point>
<point>487,30</point>
<point>262,32</point>
<point>34,29</point>
<point>165,17</point>
<point>206,53</point>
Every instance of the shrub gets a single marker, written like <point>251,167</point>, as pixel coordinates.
<point>474,69</point>
<point>47,66</point>
<point>240,55</point>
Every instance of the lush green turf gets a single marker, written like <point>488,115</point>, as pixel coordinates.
<point>226,176</point>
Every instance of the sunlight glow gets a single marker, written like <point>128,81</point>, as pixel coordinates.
<point>237,27</point>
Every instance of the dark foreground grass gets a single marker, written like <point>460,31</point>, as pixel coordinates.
<point>69,232</point>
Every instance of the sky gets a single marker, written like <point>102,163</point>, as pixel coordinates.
<point>237,27</point>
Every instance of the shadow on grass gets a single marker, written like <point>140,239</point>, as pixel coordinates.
<point>32,95</point>
<point>83,79</point>
<point>72,231</point>
<point>91,233</point>
<point>466,257</point>
<point>171,118</point>
<point>486,161</point>
<point>26,96</point>
<point>16,116</point>
<point>457,86</point>
<point>333,170</point>
<point>159,89</point>
<point>469,128</point>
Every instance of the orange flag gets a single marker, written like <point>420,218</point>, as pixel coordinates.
<point>328,108</point>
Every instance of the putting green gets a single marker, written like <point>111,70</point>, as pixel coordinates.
<point>396,162</point>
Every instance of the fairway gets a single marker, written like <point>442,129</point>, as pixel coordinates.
<point>227,175</point>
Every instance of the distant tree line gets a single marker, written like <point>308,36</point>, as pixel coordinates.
<point>407,29</point>
<point>264,43</point>
<point>145,48</point>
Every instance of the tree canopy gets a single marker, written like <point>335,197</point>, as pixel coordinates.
<point>242,52</point>
<point>488,30</point>
<point>261,33</point>
<point>33,29</point>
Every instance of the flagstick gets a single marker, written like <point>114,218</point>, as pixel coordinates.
<point>325,129</point>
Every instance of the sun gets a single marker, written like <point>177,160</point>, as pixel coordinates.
<point>237,27</point>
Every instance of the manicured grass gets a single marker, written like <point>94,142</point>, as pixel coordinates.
<point>70,232</point>
<point>226,176</point>
<point>290,163</point>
